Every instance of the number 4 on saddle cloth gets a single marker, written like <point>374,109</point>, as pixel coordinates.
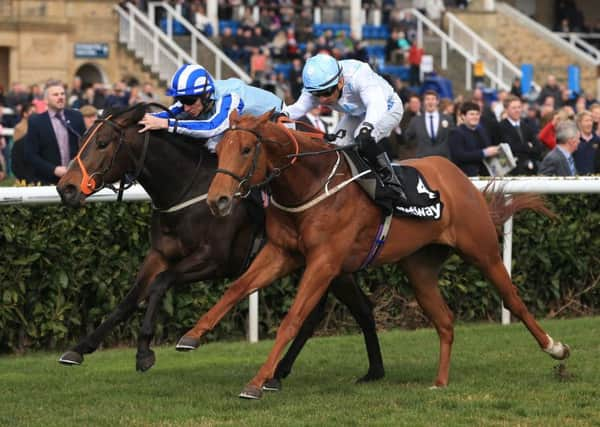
<point>422,201</point>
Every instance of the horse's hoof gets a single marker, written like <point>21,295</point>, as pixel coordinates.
<point>251,392</point>
<point>144,361</point>
<point>557,350</point>
<point>566,352</point>
<point>371,376</point>
<point>71,358</point>
<point>187,343</point>
<point>274,384</point>
<point>439,385</point>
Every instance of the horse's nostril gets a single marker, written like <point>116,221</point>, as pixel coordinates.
<point>223,202</point>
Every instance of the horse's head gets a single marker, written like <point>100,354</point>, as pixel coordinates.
<point>242,162</point>
<point>102,158</point>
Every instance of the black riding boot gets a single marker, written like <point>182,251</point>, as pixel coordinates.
<point>382,166</point>
<point>391,181</point>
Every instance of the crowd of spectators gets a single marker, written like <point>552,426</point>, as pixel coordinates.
<point>530,125</point>
<point>20,102</point>
<point>472,126</point>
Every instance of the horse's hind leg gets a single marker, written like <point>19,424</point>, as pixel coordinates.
<point>349,293</point>
<point>485,255</point>
<point>153,264</point>
<point>422,269</point>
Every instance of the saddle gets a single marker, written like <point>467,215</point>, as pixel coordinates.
<point>423,202</point>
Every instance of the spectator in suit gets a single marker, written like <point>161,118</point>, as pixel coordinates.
<point>588,145</point>
<point>560,160</point>
<point>469,143</point>
<point>53,137</point>
<point>313,118</point>
<point>429,131</point>
<point>20,167</point>
<point>521,138</point>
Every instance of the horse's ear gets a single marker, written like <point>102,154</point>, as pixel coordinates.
<point>233,117</point>
<point>265,117</point>
<point>139,111</point>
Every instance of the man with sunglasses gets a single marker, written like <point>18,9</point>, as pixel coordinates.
<point>202,104</point>
<point>371,107</point>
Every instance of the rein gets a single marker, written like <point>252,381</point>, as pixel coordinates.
<point>244,180</point>
<point>277,171</point>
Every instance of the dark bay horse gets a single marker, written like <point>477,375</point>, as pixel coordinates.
<point>188,244</point>
<point>334,236</point>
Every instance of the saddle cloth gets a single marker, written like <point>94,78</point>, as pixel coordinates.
<point>422,201</point>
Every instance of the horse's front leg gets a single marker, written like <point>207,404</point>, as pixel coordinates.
<point>195,267</point>
<point>153,264</point>
<point>314,283</point>
<point>271,263</point>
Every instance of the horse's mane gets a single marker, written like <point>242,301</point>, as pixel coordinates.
<point>192,147</point>
<point>303,137</point>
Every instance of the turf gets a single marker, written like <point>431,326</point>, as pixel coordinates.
<point>499,377</point>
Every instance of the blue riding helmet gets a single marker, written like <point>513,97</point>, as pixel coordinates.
<point>321,72</point>
<point>191,80</point>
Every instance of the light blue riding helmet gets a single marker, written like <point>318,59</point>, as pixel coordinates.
<point>321,72</point>
<point>191,80</point>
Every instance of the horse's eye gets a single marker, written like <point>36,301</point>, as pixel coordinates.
<point>102,144</point>
<point>246,151</point>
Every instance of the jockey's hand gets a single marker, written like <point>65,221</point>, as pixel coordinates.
<point>151,122</point>
<point>364,138</point>
<point>277,115</point>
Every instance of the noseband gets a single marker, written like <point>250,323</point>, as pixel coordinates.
<point>244,188</point>
<point>91,183</point>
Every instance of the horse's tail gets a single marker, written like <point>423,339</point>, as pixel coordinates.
<point>501,209</point>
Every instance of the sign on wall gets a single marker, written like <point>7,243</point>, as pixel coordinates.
<point>91,50</point>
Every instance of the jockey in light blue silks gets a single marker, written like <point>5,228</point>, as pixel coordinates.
<point>202,104</point>
<point>371,107</point>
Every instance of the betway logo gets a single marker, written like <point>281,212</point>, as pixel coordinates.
<point>433,211</point>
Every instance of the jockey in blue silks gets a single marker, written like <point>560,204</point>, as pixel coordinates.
<point>371,107</point>
<point>203,104</point>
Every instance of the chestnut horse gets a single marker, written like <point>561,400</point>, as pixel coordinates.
<point>188,244</point>
<point>331,232</point>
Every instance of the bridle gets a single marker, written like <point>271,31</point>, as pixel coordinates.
<point>244,188</point>
<point>94,182</point>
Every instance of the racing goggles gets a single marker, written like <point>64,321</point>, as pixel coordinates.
<point>325,92</point>
<point>187,99</point>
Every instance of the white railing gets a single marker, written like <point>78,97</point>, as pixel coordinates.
<point>512,185</point>
<point>576,40</point>
<point>545,33</point>
<point>147,42</point>
<point>447,41</point>
<point>504,70</point>
<point>197,39</point>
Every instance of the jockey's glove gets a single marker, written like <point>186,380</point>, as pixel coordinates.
<point>364,138</point>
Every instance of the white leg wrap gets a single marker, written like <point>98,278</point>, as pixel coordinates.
<point>555,349</point>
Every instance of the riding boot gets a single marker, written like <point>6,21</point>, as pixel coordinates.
<point>390,180</point>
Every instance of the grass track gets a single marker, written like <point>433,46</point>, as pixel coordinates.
<point>498,378</point>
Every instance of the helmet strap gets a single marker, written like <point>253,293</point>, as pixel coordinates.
<point>207,102</point>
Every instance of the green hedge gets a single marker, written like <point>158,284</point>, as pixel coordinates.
<point>64,270</point>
